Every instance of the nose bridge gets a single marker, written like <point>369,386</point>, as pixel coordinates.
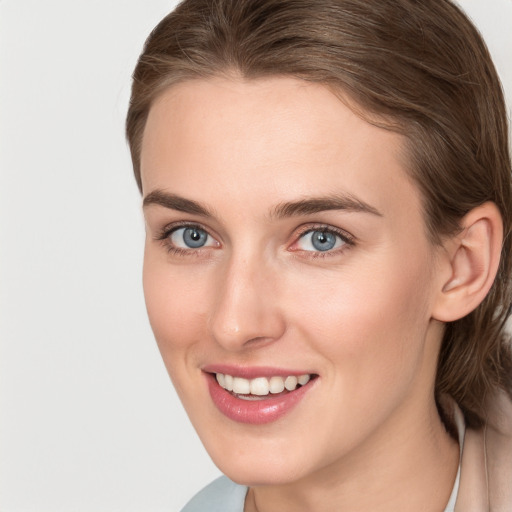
<point>246,307</point>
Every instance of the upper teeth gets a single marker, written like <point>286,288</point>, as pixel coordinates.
<point>260,386</point>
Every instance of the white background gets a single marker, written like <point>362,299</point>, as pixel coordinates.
<point>88,418</point>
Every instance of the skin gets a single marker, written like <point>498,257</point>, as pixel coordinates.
<point>367,435</point>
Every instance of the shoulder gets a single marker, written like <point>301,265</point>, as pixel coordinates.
<point>486,467</point>
<point>222,495</point>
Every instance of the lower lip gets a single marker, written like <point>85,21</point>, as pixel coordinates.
<point>255,412</point>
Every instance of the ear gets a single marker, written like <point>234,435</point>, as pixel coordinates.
<point>470,261</point>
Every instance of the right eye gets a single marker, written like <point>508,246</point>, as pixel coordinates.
<point>190,237</point>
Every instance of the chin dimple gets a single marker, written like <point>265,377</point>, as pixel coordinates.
<point>261,386</point>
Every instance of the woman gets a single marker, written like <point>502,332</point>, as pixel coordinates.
<point>327,194</point>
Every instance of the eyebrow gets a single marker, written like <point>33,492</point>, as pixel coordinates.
<point>175,202</point>
<point>306,206</point>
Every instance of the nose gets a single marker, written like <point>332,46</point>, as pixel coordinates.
<point>246,310</point>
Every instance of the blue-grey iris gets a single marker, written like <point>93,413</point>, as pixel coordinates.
<point>322,240</point>
<point>194,238</point>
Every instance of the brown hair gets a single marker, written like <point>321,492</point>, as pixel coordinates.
<point>422,68</point>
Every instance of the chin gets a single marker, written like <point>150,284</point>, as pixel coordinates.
<point>254,463</point>
<point>261,473</point>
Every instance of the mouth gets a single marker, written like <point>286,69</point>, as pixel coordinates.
<point>259,396</point>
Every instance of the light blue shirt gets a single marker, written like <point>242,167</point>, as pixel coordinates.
<point>222,495</point>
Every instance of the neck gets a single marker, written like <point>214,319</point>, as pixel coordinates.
<point>414,470</point>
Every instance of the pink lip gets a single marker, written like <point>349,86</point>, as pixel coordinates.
<point>252,372</point>
<point>255,412</point>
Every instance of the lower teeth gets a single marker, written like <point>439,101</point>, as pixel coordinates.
<point>262,397</point>
<point>251,397</point>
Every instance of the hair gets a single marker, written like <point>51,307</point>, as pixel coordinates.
<point>417,67</point>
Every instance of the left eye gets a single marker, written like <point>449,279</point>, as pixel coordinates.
<point>190,237</point>
<point>320,240</point>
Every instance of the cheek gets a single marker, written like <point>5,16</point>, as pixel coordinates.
<point>367,319</point>
<point>175,303</point>
<point>369,328</point>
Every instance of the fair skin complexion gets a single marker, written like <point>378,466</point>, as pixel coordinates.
<point>363,317</point>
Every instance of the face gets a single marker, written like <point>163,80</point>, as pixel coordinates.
<point>288,277</point>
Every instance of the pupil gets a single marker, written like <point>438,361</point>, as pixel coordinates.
<point>323,241</point>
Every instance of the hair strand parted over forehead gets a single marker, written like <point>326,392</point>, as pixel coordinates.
<point>416,67</point>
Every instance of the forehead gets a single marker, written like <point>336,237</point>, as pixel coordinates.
<point>270,140</point>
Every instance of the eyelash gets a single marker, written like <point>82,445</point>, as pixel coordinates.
<point>347,239</point>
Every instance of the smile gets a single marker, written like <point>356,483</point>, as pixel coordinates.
<point>257,399</point>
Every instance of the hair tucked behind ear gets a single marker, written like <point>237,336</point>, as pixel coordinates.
<point>420,68</point>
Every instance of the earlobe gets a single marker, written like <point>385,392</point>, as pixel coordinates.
<point>473,259</point>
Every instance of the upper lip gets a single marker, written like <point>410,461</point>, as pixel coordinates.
<point>252,372</point>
